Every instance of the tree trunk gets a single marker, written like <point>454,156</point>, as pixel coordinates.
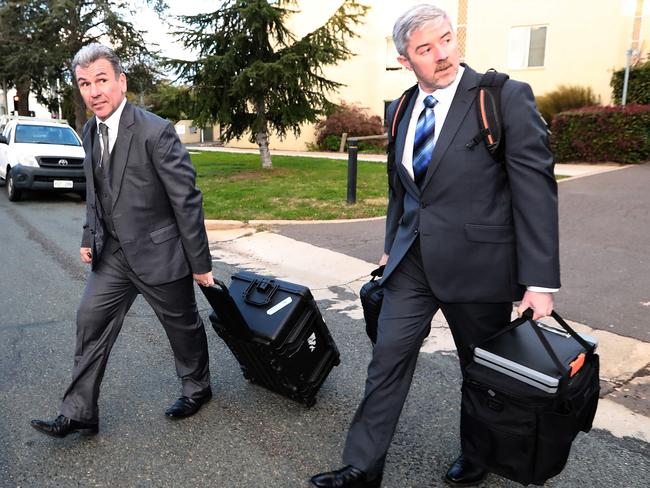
<point>22,92</point>
<point>262,136</point>
<point>263,142</point>
<point>5,103</point>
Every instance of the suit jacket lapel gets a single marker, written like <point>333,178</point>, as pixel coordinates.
<point>91,151</point>
<point>400,141</point>
<point>461,103</point>
<point>120,153</point>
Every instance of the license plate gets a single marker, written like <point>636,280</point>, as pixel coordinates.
<point>63,184</point>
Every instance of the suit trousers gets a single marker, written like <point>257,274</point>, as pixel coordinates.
<point>108,296</point>
<point>404,322</point>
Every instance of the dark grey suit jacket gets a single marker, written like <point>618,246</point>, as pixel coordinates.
<point>487,229</point>
<point>157,208</point>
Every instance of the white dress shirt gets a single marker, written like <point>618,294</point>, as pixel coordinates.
<point>113,124</point>
<point>444,97</point>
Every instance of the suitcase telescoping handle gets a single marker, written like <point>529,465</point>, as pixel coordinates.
<point>226,310</point>
<point>260,292</point>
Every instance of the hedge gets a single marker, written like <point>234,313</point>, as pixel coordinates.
<point>638,86</point>
<point>595,134</point>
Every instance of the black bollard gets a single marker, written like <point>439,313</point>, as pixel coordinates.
<point>353,147</point>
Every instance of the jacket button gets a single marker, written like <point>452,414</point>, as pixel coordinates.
<point>423,205</point>
<point>415,231</point>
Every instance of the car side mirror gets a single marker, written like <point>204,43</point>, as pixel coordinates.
<point>3,140</point>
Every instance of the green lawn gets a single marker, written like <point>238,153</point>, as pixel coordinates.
<point>298,188</point>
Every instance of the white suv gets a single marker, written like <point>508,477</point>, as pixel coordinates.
<point>40,154</point>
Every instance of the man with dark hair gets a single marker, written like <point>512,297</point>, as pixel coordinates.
<point>144,234</point>
<point>464,234</point>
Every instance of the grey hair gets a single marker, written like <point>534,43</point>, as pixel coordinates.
<point>93,52</point>
<point>413,19</point>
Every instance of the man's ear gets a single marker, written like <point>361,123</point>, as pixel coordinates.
<point>403,60</point>
<point>122,78</point>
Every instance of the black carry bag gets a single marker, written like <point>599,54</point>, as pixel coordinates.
<point>522,409</point>
<point>372,295</point>
<point>276,332</point>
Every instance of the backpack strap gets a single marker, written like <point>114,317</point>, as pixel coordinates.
<point>399,111</point>
<point>488,111</point>
<point>394,120</point>
<point>395,188</point>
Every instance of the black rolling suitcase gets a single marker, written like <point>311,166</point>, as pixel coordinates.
<point>276,332</point>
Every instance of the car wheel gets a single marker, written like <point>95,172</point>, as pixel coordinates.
<point>12,192</point>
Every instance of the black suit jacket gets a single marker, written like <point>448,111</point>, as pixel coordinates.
<point>157,209</point>
<point>487,229</point>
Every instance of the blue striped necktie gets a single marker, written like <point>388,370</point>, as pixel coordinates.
<point>423,143</point>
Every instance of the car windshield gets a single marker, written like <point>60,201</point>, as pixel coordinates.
<point>44,134</point>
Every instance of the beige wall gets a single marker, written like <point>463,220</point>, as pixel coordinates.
<point>366,80</point>
<point>289,143</point>
<point>188,134</point>
<point>586,41</point>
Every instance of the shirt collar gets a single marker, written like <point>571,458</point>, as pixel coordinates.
<point>443,95</point>
<point>113,122</point>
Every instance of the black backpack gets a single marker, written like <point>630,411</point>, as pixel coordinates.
<point>488,111</point>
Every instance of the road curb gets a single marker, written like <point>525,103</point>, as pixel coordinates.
<point>216,224</point>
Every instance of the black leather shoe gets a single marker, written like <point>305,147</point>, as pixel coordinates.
<point>185,406</point>
<point>347,477</point>
<point>464,473</point>
<point>62,426</point>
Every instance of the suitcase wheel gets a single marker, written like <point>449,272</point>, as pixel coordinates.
<point>309,402</point>
<point>246,374</point>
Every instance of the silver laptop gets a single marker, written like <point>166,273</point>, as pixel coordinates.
<point>520,354</point>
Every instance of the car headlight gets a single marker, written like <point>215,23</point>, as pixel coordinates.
<point>27,160</point>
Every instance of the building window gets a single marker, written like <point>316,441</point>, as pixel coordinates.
<point>392,64</point>
<point>527,47</point>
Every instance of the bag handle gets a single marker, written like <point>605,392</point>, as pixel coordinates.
<point>377,273</point>
<point>526,316</point>
<point>260,292</point>
<point>588,347</point>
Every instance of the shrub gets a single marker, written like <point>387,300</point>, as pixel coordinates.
<point>619,134</point>
<point>638,85</point>
<point>350,118</point>
<point>330,142</point>
<point>565,97</point>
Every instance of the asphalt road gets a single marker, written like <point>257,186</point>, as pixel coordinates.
<point>246,436</point>
<point>604,242</point>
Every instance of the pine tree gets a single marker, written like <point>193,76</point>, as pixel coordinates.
<point>254,76</point>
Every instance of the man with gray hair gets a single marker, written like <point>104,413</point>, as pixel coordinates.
<point>465,234</point>
<point>144,234</point>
